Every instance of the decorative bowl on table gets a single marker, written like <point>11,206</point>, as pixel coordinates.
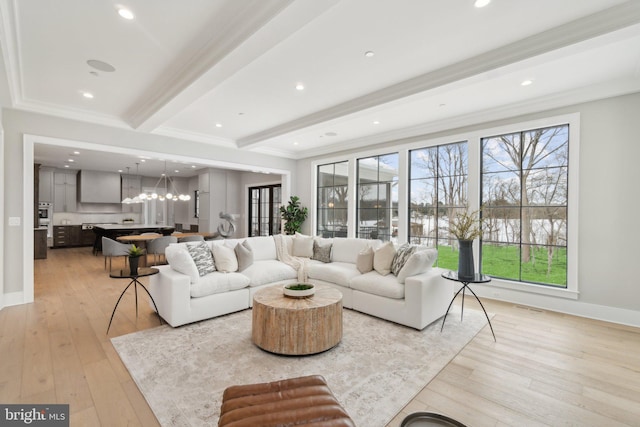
<point>299,290</point>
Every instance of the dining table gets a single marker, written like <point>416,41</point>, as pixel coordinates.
<point>142,239</point>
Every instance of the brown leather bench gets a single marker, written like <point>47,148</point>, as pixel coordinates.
<point>291,402</point>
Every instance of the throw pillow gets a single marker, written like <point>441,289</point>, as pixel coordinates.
<point>364,263</point>
<point>419,262</point>
<point>201,255</point>
<point>244,254</point>
<point>401,257</point>
<point>303,246</point>
<point>383,257</point>
<point>321,252</point>
<point>225,258</point>
<point>179,258</point>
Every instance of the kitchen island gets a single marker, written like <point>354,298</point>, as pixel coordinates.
<point>113,231</point>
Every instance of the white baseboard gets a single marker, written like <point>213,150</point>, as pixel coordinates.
<point>562,305</point>
<point>12,298</point>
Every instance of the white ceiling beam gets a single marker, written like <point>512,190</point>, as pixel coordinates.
<point>597,24</point>
<point>240,38</point>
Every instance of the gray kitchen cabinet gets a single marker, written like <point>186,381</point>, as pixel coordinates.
<point>65,193</point>
<point>45,186</point>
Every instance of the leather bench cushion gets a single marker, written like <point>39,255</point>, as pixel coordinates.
<point>376,284</point>
<point>296,401</point>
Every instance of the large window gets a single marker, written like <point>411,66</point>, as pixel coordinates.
<point>524,199</point>
<point>437,188</point>
<point>377,195</point>
<point>264,210</point>
<point>332,206</point>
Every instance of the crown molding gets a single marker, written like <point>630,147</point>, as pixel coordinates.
<point>537,105</point>
<point>597,24</point>
<point>195,136</point>
<point>55,110</point>
<point>10,44</point>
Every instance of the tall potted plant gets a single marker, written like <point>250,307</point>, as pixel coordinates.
<point>293,215</point>
<point>466,226</point>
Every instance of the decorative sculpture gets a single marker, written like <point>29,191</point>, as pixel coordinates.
<point>230,226</point>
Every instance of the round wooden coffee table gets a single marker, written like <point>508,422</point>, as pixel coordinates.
<point>296,326</point>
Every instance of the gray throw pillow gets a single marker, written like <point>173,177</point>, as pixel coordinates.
<point>202,257</point>
<point>244,255</point>
<point>321,253</point>
<point>402,255</point>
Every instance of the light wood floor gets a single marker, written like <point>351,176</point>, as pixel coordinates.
<point>545,369</point>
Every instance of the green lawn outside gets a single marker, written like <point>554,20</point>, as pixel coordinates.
<point>502,261</point>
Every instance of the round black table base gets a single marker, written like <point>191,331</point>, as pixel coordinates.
<point>465,286</point>
<point>135,282</point>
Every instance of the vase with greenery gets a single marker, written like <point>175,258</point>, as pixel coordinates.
<point>466,227</point>
<point>135,252</point>
<point>293,215</point>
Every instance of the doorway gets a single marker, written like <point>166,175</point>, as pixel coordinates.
<point>264,210</point>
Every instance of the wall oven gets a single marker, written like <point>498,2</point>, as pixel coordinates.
<point>45,215</point>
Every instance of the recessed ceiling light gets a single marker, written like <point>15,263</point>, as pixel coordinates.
<point>369,53</point>
<point>142,160</point>
<point>526,82</point>
<point>176,171</point>
<point>120,170</point>
<point>376,122</point>
<point>76,152</point>
<point>481,3</point>
<point>295,143</point>
<point>218,125</point>
<point>193,166</point>
<point>87,95</point>
<point>71,160</point>
<point>66,166</point>
<point>331,134</point>
<point>126,13</point>
<point>299,86</point>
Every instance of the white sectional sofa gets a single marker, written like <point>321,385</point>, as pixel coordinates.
<point>416,297</point>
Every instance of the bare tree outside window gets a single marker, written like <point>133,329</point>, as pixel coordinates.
<point>438,189</point>
<point>525,198</point>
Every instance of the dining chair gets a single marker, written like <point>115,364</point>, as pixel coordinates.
<point>157,246</point>
<point>196,238</point>
<point>111,248</point>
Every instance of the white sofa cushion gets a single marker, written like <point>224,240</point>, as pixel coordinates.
<point>244,254</point>
<point>383,257</point>
<point>364,262</point>
<point>179,259</point>
<point>347,249</point>
<point>419,262</point>
<point>302,246</point>
<point>215,283</point>
<point>339,273</point>
<point>376,284</point>
<point>268,271</point>
<point>225,258</point>
<point>263,247</point>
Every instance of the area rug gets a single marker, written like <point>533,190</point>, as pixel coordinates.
<point>377,368</point>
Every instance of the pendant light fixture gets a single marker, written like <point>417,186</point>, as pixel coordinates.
<point>170,192</point>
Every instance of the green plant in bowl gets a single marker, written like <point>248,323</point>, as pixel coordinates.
<point>300,287</point>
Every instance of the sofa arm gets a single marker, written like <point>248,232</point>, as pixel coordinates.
<point>171,292</point>
<point>427,296</point>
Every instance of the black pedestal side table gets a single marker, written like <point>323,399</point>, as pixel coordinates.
<point>477,278</point>
<point>126,274</point>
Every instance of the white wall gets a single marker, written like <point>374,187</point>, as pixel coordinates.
<point>608,205</point>
<point>18,278</point>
